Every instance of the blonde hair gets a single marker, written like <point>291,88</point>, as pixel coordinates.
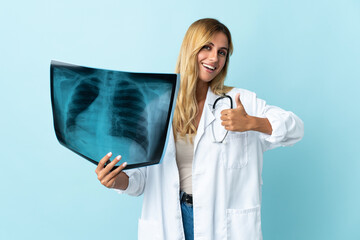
<point>197,36</point>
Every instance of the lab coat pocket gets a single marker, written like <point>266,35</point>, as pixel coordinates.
<point>235,150</point>
<point>244,224</point>
<point>149,230</point>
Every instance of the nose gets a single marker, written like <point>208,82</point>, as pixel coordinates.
<point>213,55</point>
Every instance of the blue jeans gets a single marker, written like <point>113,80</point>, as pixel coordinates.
<point>188,220</point>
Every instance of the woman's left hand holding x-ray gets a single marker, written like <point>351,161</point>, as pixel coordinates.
<point>237,120</point>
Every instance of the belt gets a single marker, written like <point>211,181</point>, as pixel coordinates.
<point>187,198</point>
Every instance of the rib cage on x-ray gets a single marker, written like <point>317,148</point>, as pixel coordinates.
<point>97,111</point>
<point>123,107</point>
<point>85,93</point>
<point>129,108</point>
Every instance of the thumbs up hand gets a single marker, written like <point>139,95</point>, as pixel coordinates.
<point>236,119</point>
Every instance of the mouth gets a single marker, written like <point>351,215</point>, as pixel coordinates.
<point>209,67</point>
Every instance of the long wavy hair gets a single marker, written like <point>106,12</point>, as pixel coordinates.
<point>197,36</point>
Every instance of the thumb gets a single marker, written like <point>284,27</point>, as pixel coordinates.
<point>237,100</point>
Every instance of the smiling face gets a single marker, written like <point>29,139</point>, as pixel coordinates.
<point>212,57</point>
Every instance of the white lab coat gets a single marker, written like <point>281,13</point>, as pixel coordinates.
<point>226,178</point>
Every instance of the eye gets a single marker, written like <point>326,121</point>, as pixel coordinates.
<point>222,53</point>
<point>207,47</point>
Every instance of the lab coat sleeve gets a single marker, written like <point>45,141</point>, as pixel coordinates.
<point>287,128</point>
<point>137,181</point>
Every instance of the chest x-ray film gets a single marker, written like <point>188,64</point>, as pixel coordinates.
<point>97,111</point>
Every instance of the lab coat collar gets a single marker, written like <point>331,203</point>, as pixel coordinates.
<point>207,117</point>
<point>211,98</point>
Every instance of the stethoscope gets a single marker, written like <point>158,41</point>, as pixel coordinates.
<point>213,110</point>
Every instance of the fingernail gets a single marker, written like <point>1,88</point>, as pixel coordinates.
<point>109,154</point>
<point>124,164</point>
<point>118,157</point>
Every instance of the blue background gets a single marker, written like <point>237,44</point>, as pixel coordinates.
<point>301,55</point>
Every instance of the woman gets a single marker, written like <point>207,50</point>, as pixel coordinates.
<point>209,183</point>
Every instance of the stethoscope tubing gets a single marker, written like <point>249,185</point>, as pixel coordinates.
<point>213,108</point>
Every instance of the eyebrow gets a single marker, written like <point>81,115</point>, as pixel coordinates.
<point>220,48</point>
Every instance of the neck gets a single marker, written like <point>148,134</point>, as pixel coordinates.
<point>201,91</point>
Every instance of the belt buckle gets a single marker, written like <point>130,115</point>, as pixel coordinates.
<point>187,198</point>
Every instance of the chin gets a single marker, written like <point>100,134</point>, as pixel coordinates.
<point>205,79</point>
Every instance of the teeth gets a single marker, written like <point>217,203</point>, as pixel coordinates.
<point>208,66</point>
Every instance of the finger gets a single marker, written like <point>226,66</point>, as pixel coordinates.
<point>238,101</point>
<point>229,114</point>
<point>110,178</point>
<point>229,128</point>
<point>110,166</point>
<point>224,117</point>
<point>225,112</point>
<point>226,123</point>
<point>105,171</point>
<point>102,162</point>
<point>111,183</point>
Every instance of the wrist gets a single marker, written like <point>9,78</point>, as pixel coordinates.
<point>121,181</point>
<point>251,123</point>
<point>260,125</point>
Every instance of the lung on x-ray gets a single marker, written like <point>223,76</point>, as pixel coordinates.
<point>97,111</point>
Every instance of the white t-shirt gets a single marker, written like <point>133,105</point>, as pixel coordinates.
<point>184,159</point>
